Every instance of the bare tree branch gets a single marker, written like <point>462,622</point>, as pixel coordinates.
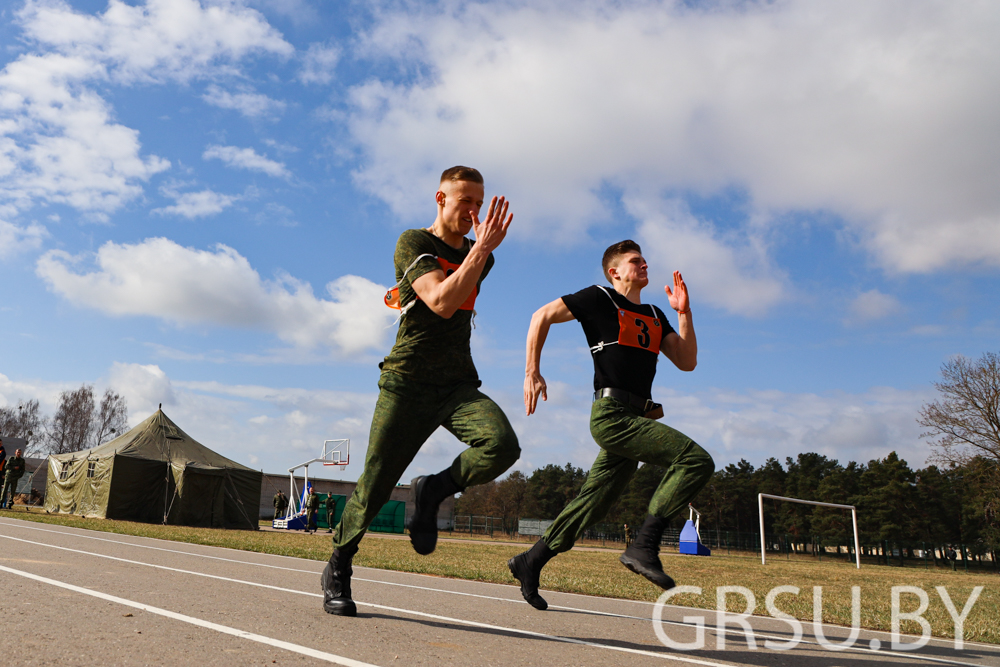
<point>965,422</point>
<point>70,428</point>
<point>23,421</point>
<point>111,418</point>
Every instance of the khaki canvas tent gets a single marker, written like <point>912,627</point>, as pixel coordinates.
<point>155,473</point>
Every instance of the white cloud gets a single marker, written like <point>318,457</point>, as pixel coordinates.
<point>873,305</point>
<point>734,273</point>
<point>881,113</point>
<point>731,424</point>
<point>195,204</point>
<point>15,239</point>
<point>58,139</point>
<point>58,142</point>
<point>272,428</point>
<point>246,158</point>
<point>145,387</point>
<point>285,425</point>
<point>758,424</point>
<point>251,105</point>
<point>318,64</point>
<point>155,40</point>
<point>219,287</point>
<point>299,12</point>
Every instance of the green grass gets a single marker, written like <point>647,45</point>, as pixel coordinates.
<point>599,573</point>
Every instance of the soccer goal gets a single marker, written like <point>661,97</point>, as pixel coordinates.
<point>854,518</point>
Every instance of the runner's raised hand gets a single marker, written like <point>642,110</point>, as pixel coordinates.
<point>491,231</point>
<point>679,297</point>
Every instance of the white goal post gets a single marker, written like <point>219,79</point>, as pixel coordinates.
<point>854,518</point>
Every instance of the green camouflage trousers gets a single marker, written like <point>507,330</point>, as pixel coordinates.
<point>626,438</point>
<point>406,415</point>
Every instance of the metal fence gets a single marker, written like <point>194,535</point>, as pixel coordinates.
<point>480,525</point>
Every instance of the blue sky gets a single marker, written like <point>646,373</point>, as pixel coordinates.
<point>199,203</point>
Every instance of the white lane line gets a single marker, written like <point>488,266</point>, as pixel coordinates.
<point>226,630</point>
<point>410,612</point>
<point>484,625</point>
<point>728,630</point>
<point>709,627</point>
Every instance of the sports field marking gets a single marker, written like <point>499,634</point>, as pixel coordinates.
<point>409,612</point>
<point>224,629</point>
<point>709,627</point>
<point>486,625</point>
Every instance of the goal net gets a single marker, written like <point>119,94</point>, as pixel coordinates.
<point>854,519</point>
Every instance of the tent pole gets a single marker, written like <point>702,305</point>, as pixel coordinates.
<point>172,499</point>
<point>166,490</point>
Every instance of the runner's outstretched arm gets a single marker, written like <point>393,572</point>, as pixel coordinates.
<point>534,384</point>
<point>443,295</point>
<point>681,347</point>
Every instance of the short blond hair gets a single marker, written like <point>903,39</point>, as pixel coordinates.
<point>461,173</point>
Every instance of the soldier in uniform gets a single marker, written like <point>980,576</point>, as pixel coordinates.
<point>312,507</point>
<point>625,338</point>
<point>280,504</point>
<point>14,470</point>
<point>331,511</point>
<point>429,380</point>
<point>3,458</point>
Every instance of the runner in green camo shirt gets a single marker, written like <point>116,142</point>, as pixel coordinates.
<point>428,346</point>
<point>429,380</point>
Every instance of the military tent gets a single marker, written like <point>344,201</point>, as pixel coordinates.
<point>155,473</point>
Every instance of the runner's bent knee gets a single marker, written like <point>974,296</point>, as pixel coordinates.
<point>700,461</point>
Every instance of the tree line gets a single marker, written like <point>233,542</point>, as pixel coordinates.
<point>955,499</point>
<point>79,422</point>
<point>953,505</point>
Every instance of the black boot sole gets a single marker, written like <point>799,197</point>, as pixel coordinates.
<point>530,596</point>
<point>340,607</point>
<point>658,577</point>
<point>423,534</point>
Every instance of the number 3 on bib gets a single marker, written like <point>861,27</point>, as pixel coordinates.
<point>641,331</point>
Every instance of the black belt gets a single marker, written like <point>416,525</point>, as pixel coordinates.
<point>634,401</point>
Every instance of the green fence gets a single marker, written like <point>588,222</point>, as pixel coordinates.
<point>391,518</point>
<point>321,515</point>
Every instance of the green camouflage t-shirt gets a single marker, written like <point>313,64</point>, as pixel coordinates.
<point>430,348</point>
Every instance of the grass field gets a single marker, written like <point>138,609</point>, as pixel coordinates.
<point>598,572</point>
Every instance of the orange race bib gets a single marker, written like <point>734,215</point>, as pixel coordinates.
<point>641,331</point>
<point>392,296</point>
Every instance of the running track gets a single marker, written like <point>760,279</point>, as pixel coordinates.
<point>78,597</point>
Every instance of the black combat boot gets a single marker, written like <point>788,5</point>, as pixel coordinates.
<point>527,568</point>
<point>643,555</point>
<point>336,582</point>
<point>426,494</point>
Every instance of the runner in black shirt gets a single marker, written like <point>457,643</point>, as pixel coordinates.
<point>625,337</point>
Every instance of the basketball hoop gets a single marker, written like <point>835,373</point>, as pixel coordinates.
<point>337,453</point>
